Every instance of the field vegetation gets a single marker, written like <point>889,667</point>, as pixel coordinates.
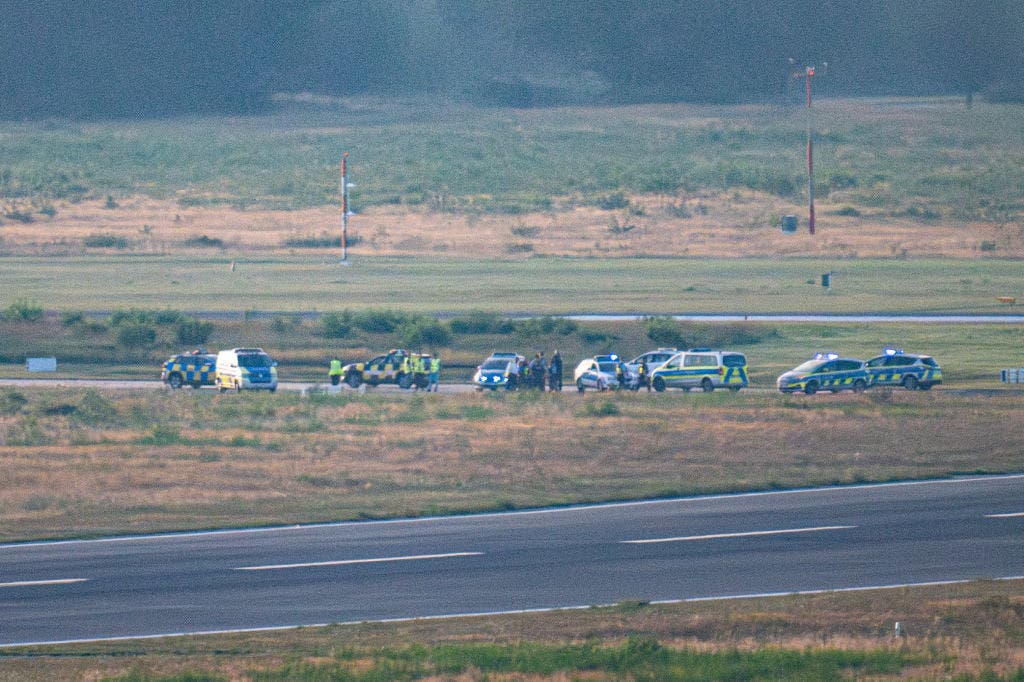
<point>121,243</point>
<point>897,178</point>
<point>89,462</point>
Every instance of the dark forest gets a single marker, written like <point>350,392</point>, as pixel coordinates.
<point>102,58</point>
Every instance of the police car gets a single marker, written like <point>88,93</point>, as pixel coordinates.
<point>194,369</point>
<point>652,358</point>
<point>388,368</point>
<point>499,370</point>
<point>602,372</point>
<point>703,368</point>
<point>909,370</point>
<point>826,372</point>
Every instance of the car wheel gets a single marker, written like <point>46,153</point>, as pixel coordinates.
<point>811,387</point>
<point>580,387</point>
<point>735,389</point>
<point>510,385</point>
<point>910,382</point>
<point>925,387</point>
<point>197,384</point>
<point>353,379</point>
<point>222,388</point>
<point>404,381</point>
<point>706,385</point>
<point>859,386</point>
<point>659,384</point>
<point>175,381</point>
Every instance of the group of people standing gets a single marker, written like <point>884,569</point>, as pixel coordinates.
<point>540,374</point>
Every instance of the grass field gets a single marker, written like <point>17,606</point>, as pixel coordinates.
<point>92,463</point>
<point>439,285</point>
<point>636,210</point>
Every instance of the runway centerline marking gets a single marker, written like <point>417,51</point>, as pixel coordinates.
<point>1010,515</point>
<point>350,562</point>
<point>34,583</point>
<point>746,534</point>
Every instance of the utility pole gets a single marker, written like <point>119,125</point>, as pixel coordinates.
<point>807,74</point>
<point>344,207</point>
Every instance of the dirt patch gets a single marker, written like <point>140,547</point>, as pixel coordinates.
<point>713,224</point>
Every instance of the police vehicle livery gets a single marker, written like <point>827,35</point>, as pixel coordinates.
<point>702,368</point>
<point>499,370</point>
<point>389,368</point>
<point>192,369</point>
<point>911,371</point>
<point>826,372</point>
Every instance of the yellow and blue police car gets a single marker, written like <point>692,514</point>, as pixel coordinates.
<point>194,369</point>
<point>826,372</point>
<point>909,370</point>
<point>389,368</point>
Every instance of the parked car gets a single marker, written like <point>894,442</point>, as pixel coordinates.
<point>499,370</point>
<point>825,371</point>
<point>601,373</point>
<point>909,370</point>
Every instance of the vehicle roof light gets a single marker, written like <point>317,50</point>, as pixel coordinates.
<point>892,351</point>
<point>826,356</point>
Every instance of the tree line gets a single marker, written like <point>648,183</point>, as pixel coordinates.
<point>76,59</point>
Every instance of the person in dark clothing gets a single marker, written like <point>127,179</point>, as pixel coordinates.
<point>555,372</point>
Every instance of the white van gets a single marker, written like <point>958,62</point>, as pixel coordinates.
<point>248,368</point>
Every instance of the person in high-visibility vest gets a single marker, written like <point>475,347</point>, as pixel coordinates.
<point>335,372</point>
<point>435,374</point>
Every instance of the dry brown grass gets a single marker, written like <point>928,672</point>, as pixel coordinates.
<point>949,631</point>
<point>168,460</point>
<point>720,224</point>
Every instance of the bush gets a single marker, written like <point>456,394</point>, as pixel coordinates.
<point>480,322</point>
<point>105,241</point>
<point>611,202</point>
<point>424,332</point>
<point>204,241</point>
<point>136,336</point>
<point>132,316</point>
<point>379,321</point>
<point>71,319</point>
<point>192,332</point>
<point>24,310</point>
<point>167,316</point>
<point>336,325</point>
<point>536,326</point>
<point>664,331</point>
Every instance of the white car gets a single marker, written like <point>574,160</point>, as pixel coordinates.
<point>599,373</point>
<point>653,358</point>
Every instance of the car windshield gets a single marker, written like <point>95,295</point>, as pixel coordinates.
<point>495,364</point>
<point>253,360</point>
<point>733,360</point>
<point>806,367</point>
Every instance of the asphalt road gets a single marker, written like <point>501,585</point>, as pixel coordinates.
<point>682,549</point>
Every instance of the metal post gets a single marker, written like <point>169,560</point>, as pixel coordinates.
<point>810,154</point>
<point>344,207</point>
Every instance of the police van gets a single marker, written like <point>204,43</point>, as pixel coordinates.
<point>245,368</point>
<point>703,368</point>
<point>193,369</point>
